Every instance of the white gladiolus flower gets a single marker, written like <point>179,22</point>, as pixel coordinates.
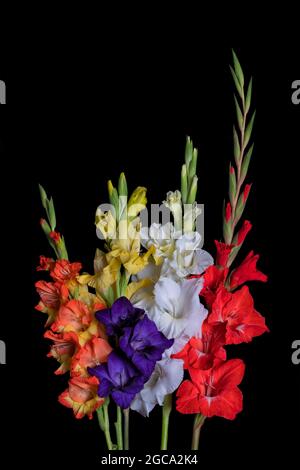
<point>187,257</point>
<point>165,379</point>
<point>160,236</point>
<point>176,309</point>
<point>174,203</point>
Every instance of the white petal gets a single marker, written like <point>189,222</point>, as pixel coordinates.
<point>167,293</point>
<point>166,378</point>
<point>202,261</point>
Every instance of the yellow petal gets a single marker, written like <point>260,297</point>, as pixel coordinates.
<point>134,286</point>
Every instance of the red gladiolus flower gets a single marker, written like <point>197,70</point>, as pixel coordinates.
<point>93,353</point>
<point>237,312</point>
<point>228,212</point>
<point>81,396</point>
<point>223,253</point>
<point>46,264</point>
<point>63,348</point>
<point>213,278</point>
<point>213,392</point>
<point>247,271</point>
<point>74,316</point>
<point>206,352</point>
<point>65,271</point>
<point>246,192</point>
<point>55,236</point>
<point>243,232</point>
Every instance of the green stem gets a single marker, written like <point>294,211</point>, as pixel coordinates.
<point>101,419</point>
<point>167,407</point>
<point>198,422</point>
<point>106,425</point>
<point>126,429</point>
<point>118,426</point>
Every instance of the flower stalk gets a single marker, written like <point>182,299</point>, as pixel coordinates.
<point>167,408</point>
<point>238,195</point>
<point>198,423</point>
<point>103,419</point>
<point>118,426</point>
<point>126,428</point>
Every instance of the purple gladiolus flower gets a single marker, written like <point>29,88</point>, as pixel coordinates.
<point>118,378</point>
<point>121,314</point>
<point>144,345</point>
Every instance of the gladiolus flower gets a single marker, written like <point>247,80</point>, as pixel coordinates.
<point>93,353</point>
<point>119,378</point>
<point>246,192</point>
<point>46,264</point>
<point>247,271</point>
<point>74,316</point>
<point>213,278</point>
<point>187,258</point>
<point>55,236</point>
<point>121,314</point>
<point>165,379</point>
<point>213,392</point>
<point>236,311</point>
<point>206,352</point>
<point>63,348</point>
<point>228,212</point>
<point>176,310</point>
<point>51,293</point>
<point>81,396</point>
<point>65,271</point>
<point>243,232</point>
<point>144,345</point>
<point>223,253</point>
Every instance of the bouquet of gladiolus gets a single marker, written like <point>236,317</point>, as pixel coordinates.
<point>152,323</point>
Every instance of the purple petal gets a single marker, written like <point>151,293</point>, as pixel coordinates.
<point>120,310</point>
<point>124,342</point>
<point>105,387</point>
<point>122,399</point>
<point>145,366</point>
<point>120,369</point>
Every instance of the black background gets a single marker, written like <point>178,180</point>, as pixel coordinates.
<point>72,127</point>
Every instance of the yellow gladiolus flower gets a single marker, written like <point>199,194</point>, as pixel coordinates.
<point>137,202</point>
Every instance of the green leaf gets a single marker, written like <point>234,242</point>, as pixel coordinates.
<point>62,250</point>
<point>237,84</point>
<point>188,151</point>
<point>240,208</point>
<point>47,230</point>
<point>232,185</point>
<point>109,296</point>
<point>123,283</point>
<point>236,146</point>
<point>246,163</point>
<point>193,165</point>
<point>184,184</point>
<point>43,195</point>
<point>122,187</point>
<point>234,252</point>
<point>46,227</point>
<point>227,231</point>
<point>123,196</point>
<point>239,115</point>
<point>51,214</point>
<point>248,96</point>
<point>193,191</point>
<point>238,69</point>
<point>113,197</point>
<point>248,131</point>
